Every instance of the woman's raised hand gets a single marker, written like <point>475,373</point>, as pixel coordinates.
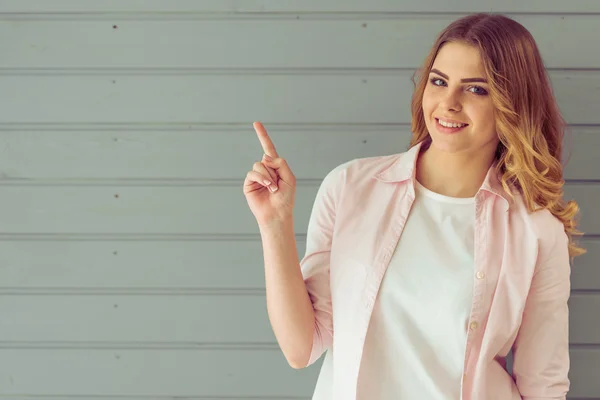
<point>270,186</point>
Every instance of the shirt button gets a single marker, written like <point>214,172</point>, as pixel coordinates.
<point>473,325</point>
<point>480,274</point>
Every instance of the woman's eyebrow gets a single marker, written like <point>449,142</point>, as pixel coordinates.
<point>467,80</point>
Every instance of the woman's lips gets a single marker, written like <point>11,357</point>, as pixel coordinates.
<point>444,129</point>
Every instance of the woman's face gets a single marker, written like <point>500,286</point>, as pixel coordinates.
<point>458,110</point>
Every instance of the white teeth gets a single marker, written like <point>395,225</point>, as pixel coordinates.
<point>450,125</point>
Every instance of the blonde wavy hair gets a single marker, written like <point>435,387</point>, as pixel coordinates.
<point>528,121</point>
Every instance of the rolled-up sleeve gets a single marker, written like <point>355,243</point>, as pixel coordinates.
<point>541,350</point>
<point>315,264</point>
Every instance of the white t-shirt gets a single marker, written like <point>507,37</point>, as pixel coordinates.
<point>415,344</point>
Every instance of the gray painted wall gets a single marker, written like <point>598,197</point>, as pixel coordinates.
<point>130,264</point>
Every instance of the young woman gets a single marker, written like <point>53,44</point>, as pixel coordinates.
<point>424,269</point>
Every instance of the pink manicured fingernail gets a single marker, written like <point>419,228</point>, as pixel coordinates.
<point>267,182</point>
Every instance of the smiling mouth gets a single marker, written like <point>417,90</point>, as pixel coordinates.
<point>449,127</point>
<point>450,124</point>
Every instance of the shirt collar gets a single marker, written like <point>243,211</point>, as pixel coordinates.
<point>403,168</point>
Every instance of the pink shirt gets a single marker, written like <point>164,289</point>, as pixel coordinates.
<point>521,283</point>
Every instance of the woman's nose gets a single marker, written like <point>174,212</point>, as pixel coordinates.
<point>451,101</point>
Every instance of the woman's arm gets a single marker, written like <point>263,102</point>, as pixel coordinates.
<point>298,293</point>
<point>541,350</point>
<point>289,307</point>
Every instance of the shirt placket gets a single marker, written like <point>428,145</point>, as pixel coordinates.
<point>479,257</point>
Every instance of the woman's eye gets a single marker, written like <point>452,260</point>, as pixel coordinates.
<point>437,81</point>
<point>478,90</point>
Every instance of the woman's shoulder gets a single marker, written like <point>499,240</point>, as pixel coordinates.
<point>363,168</point>
<point>355,175</point>
<point>547,228</point>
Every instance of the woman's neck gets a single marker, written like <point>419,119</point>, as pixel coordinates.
<point>453,174</point>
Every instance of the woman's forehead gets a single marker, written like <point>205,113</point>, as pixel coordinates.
<point>459,61</point>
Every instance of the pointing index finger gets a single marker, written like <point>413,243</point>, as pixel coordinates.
<point>265,140</point>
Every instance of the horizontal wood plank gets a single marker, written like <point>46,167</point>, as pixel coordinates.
<point>174,373</point>
<point>584,322</point>
<point>194,320</point>
<point>133,265</point>
<point>207,373</point>
<point>276,6</point>
<point>585,273</point>
<point>174,209</point>
<point>130,209</point>
<point>243,98</point>
<point>136,265</point>
<point>370,42</point>
<point>585,364</point>
<point>588,198</point>
<point>182,151</point>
